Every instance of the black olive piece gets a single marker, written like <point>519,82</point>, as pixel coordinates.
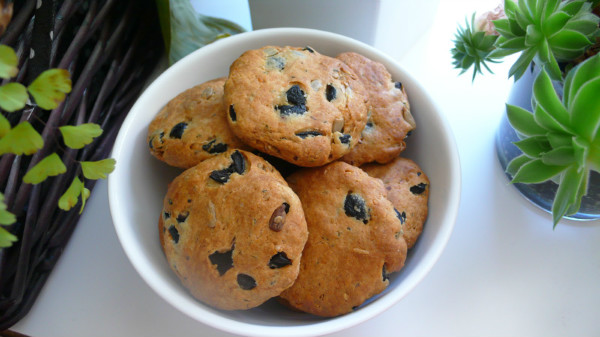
<point>182,216</point>
<point>174,233</point>
<point>408,133</point>
<point>232,113</point>
<point>287,207</point>
<point>284,167</point>
<point>356,207</point>
<point>150,143</point>
<point>369,124</point>
<point>279,260</point>
<point>309,49</point>
<point>384,274</point>
<point>218,148</point>
<point>398,85</point>
<point>276,62</point>
<point>238,164</point>
<point>177,130</point>
<point>305,134</point>
<point>401,216</point>
<point>213,148</point>
<point>223,261</point>
<point>208,145</point>
<point>418,189</point>
<point>221,176</point>
<point>246,282</point>
<point>166,215</point>
<point>345,139</point>
<point>161,136</point>
<point>295,95</point>
<point>286,110</point>
<point>330,92</point>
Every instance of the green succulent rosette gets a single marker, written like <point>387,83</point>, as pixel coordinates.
<point>472,48</point>
<point>546,31</point>
<point>561,137</point>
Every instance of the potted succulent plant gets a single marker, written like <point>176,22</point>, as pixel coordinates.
<point>556,129</point>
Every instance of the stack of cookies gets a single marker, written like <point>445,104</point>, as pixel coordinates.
<point>327,236</point>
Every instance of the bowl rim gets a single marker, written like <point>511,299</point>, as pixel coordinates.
<point>142,265</point>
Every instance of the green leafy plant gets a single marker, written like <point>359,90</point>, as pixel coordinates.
<point>47,90</point>
<point>111,49</point>
<point>545,31</point>
<point>560,138</point>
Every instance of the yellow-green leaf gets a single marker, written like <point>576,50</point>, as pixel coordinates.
<point>97,169</point>
<point>13,96</point>
<point>6,218</point>
<point>69,199</point>
<point>85,194</point>
<point>4,125</point>
<point>79,136</point>
<point>52,165</point>
<point>8,62</point>
<point>22,139</point>
<point>50,87</point>
<point>6,238</point>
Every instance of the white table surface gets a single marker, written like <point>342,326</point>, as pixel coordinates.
<point>504,272</point>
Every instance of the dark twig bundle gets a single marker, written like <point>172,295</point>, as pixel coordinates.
<point>110,48</point>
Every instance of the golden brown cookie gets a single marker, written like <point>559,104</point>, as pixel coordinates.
<point>389,120</point>
<point>233,231</point>
<point>295,104</point>
<point>408,189</point>
<point>355,240</point>
<point>192,127</point>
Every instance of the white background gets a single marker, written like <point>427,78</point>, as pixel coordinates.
<point>505,272</point>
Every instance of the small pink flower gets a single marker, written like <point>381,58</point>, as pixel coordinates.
<point>484,21</point>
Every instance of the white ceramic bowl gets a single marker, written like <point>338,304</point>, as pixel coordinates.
<point>139,183</point>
